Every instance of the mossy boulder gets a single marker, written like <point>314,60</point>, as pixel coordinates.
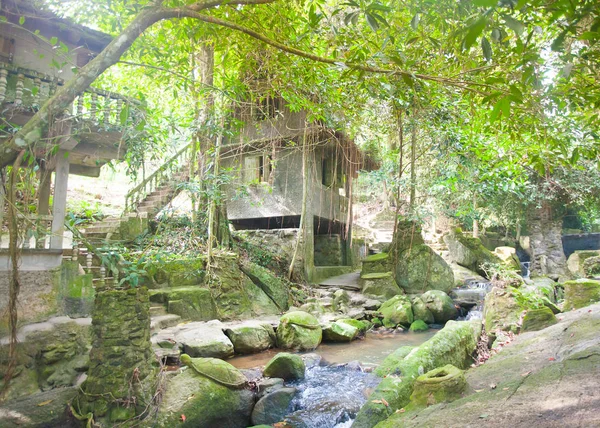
<point>501,311</point>
<point>538,319</point>
<point>580,293</point>
<point>285,366</point>
<point>591,267</point>
<point>469,252</point>
<point>440,305</point>
<point>179,272</point>
<point>576,261</point>
<point>339,332</point>
<point>299,330</point>
<point>204,402</point>
<point>454,344</point>
<point>208,341</point>
<point>276,288</point>
<point>418,325</point>
<point>509,256</point>
<point>397,311</point>
<point>273,407</point>
<point>381,286</point>
<point>376,263</point>
<point>361,326</point>
<point>341,299</point>
<point>419,269</point>
<point>391,361</point>
<point>408,235</point>
<point>251,337</point>
<point>440,385</point>
<point>226,282</point>
<point>421,311</point>
<point>45,409</point>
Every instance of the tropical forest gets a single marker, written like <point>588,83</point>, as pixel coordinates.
<point>300,213</point>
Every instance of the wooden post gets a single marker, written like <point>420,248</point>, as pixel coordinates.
<point>59,207</point>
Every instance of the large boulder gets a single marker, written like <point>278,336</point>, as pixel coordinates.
<point>454,344</point>
<point>205,340</point>
<point>272,408</point>
<point>361,326</point>
<point>469,252</point>
<point>339,332</point>
<point>418,325</point>
<point>192,303</point>
<point>421,311</point>
<point>205,402</point>
<point>575,262</point>
<point>381,286</point>
<point>298,330</point>
<point>509,256</point>
<point>251,337</point>
<point>580,293</point>
<point>397,311</point>
<point>463,276</point>
<point>419,269</point>
<point>501,311</point>
<point>285,366</point>
<point>440,305</point>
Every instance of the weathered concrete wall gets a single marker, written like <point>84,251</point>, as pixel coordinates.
<point>279,241</point>
<point>329,250</point>
<point>38,296</point>
<point>583,241</point>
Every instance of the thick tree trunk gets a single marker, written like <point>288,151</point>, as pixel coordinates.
<point>545,235</point>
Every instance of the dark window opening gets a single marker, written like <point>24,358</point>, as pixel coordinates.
<point>285,222</point>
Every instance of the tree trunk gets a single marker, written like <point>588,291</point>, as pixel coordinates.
<point>303,213</point>
<point>545,237</point>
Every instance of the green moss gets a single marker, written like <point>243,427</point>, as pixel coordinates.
<point>285,366</point>
<point>376,257</point>
<point>420,269</point>
<point>419,325</point>
<point>440,385</point>
<point>361,326</point>
<point>276,288</point>
<point>537,319</point>
<point>298,330</point>
<point>377,275</point>
<point>581,293</point>
<point>339,332</point>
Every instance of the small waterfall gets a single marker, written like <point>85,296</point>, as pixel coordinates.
<point>472,296</point>
<point>525,266</point>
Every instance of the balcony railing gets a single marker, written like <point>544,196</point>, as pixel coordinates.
<point>29,89</point>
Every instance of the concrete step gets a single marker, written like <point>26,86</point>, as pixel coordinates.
<point>156,310</point>
<point>161,322</point>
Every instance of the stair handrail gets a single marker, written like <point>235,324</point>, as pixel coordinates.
<point>136,195</point>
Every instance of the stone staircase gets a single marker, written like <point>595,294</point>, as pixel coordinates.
<point>145,200</point>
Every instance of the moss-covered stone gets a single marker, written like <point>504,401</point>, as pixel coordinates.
<point>454,344</point>
<point>391,361</point>
<point>379,285</point>
<point>408,235</point>
<point>341,299</point>
<point>273,407</point>
<point>440,305</point>
<point>216,370</point>
<point>260,302</point>
<point>191,303</point>
<point>419,325</point>
<point>419,269</point>
<point>509,256</point>
<point>468,251</point>
<point>361,326</point>
<point>501,311</point>
<point>204,402</point>
<point>285,366</point>
<point>251,338</point>
<point>45,409</point>
<point>276,288</point>
<point>397,311</point>
<point>226,284</point>
<point>78,300</point>
<point>376,263</point>
<point>591,267</point>
<point>440,385</point>
<point>339,332</point>
<point>421,312</point>
<point>538,319</point>
<point>298,330</point>
<point>580,293</point>
<point>178,272</point>
<point>576,261</point>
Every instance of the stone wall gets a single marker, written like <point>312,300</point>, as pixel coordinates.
<point>329,250</point>
<point>37,297</point>
<point>281,242</point>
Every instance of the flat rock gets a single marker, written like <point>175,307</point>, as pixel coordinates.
<point>199,339</point>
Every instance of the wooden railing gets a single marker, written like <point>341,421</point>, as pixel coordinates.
<point>29,89</point>
<point>159,177</point>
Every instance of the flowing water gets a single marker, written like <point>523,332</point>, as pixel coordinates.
<point>332,392</point>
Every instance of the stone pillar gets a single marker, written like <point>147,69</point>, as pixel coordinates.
<point>59,206</point>
<point>121,376</point>
<point>545,240</point>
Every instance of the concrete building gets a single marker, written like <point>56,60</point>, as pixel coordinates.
<point>267,192</point>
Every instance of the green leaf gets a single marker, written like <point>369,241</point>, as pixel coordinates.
<point>558,43</point>
<point>124,115</point>
<point>485,3</point>
<point>21,20</point>
<point>486,48</point>
<point>372,22</point>
<point>517,26</point>
<point>473,32</point>
<point>414,23</point>
<point>3,19</point>
<point>53,40</point>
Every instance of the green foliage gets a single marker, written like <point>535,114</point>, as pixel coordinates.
<point>82,212</point>
<point>502,275</point>
<point>529,299</point>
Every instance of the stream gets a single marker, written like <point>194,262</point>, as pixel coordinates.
<point>333,391</point>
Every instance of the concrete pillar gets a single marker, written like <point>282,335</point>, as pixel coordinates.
<point>59,206</point>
